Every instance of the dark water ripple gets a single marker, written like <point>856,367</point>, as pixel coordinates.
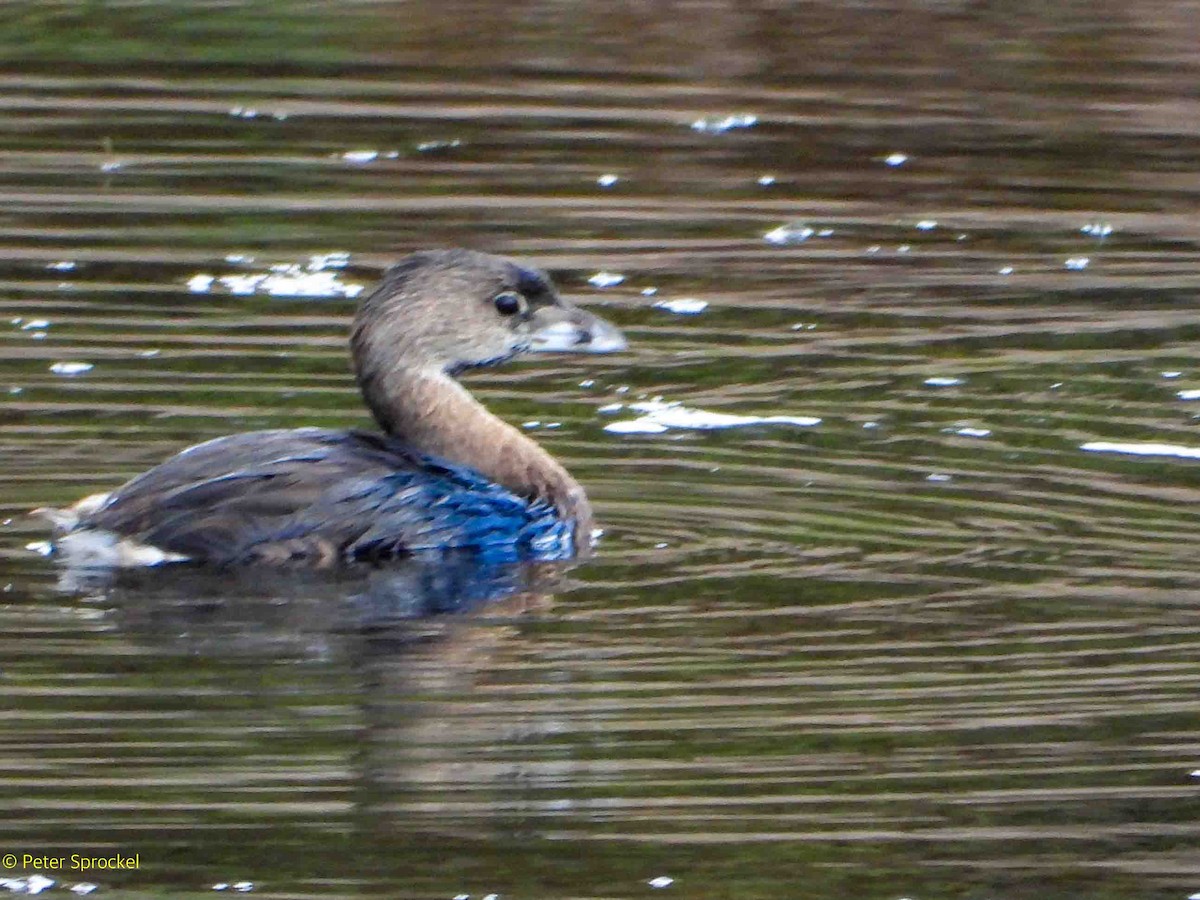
<point>930,647</point>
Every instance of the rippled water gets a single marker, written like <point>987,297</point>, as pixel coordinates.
<point>940,643</point>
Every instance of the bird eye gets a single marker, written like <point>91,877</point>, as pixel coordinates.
<point>507,303</point>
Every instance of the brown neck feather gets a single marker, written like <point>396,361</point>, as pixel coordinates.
<point>436,415</point>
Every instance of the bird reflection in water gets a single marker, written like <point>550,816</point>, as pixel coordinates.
<point>413,660</point>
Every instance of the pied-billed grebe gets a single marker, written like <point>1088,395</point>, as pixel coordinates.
<point>445,472</point>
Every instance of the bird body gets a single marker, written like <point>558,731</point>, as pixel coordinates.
<point>306,493</point>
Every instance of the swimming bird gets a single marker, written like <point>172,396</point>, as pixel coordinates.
<point>441,472</point>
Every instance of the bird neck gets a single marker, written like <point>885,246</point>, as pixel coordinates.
<point>434,414</point>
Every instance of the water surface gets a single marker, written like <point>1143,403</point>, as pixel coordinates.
<point>942,643</point>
